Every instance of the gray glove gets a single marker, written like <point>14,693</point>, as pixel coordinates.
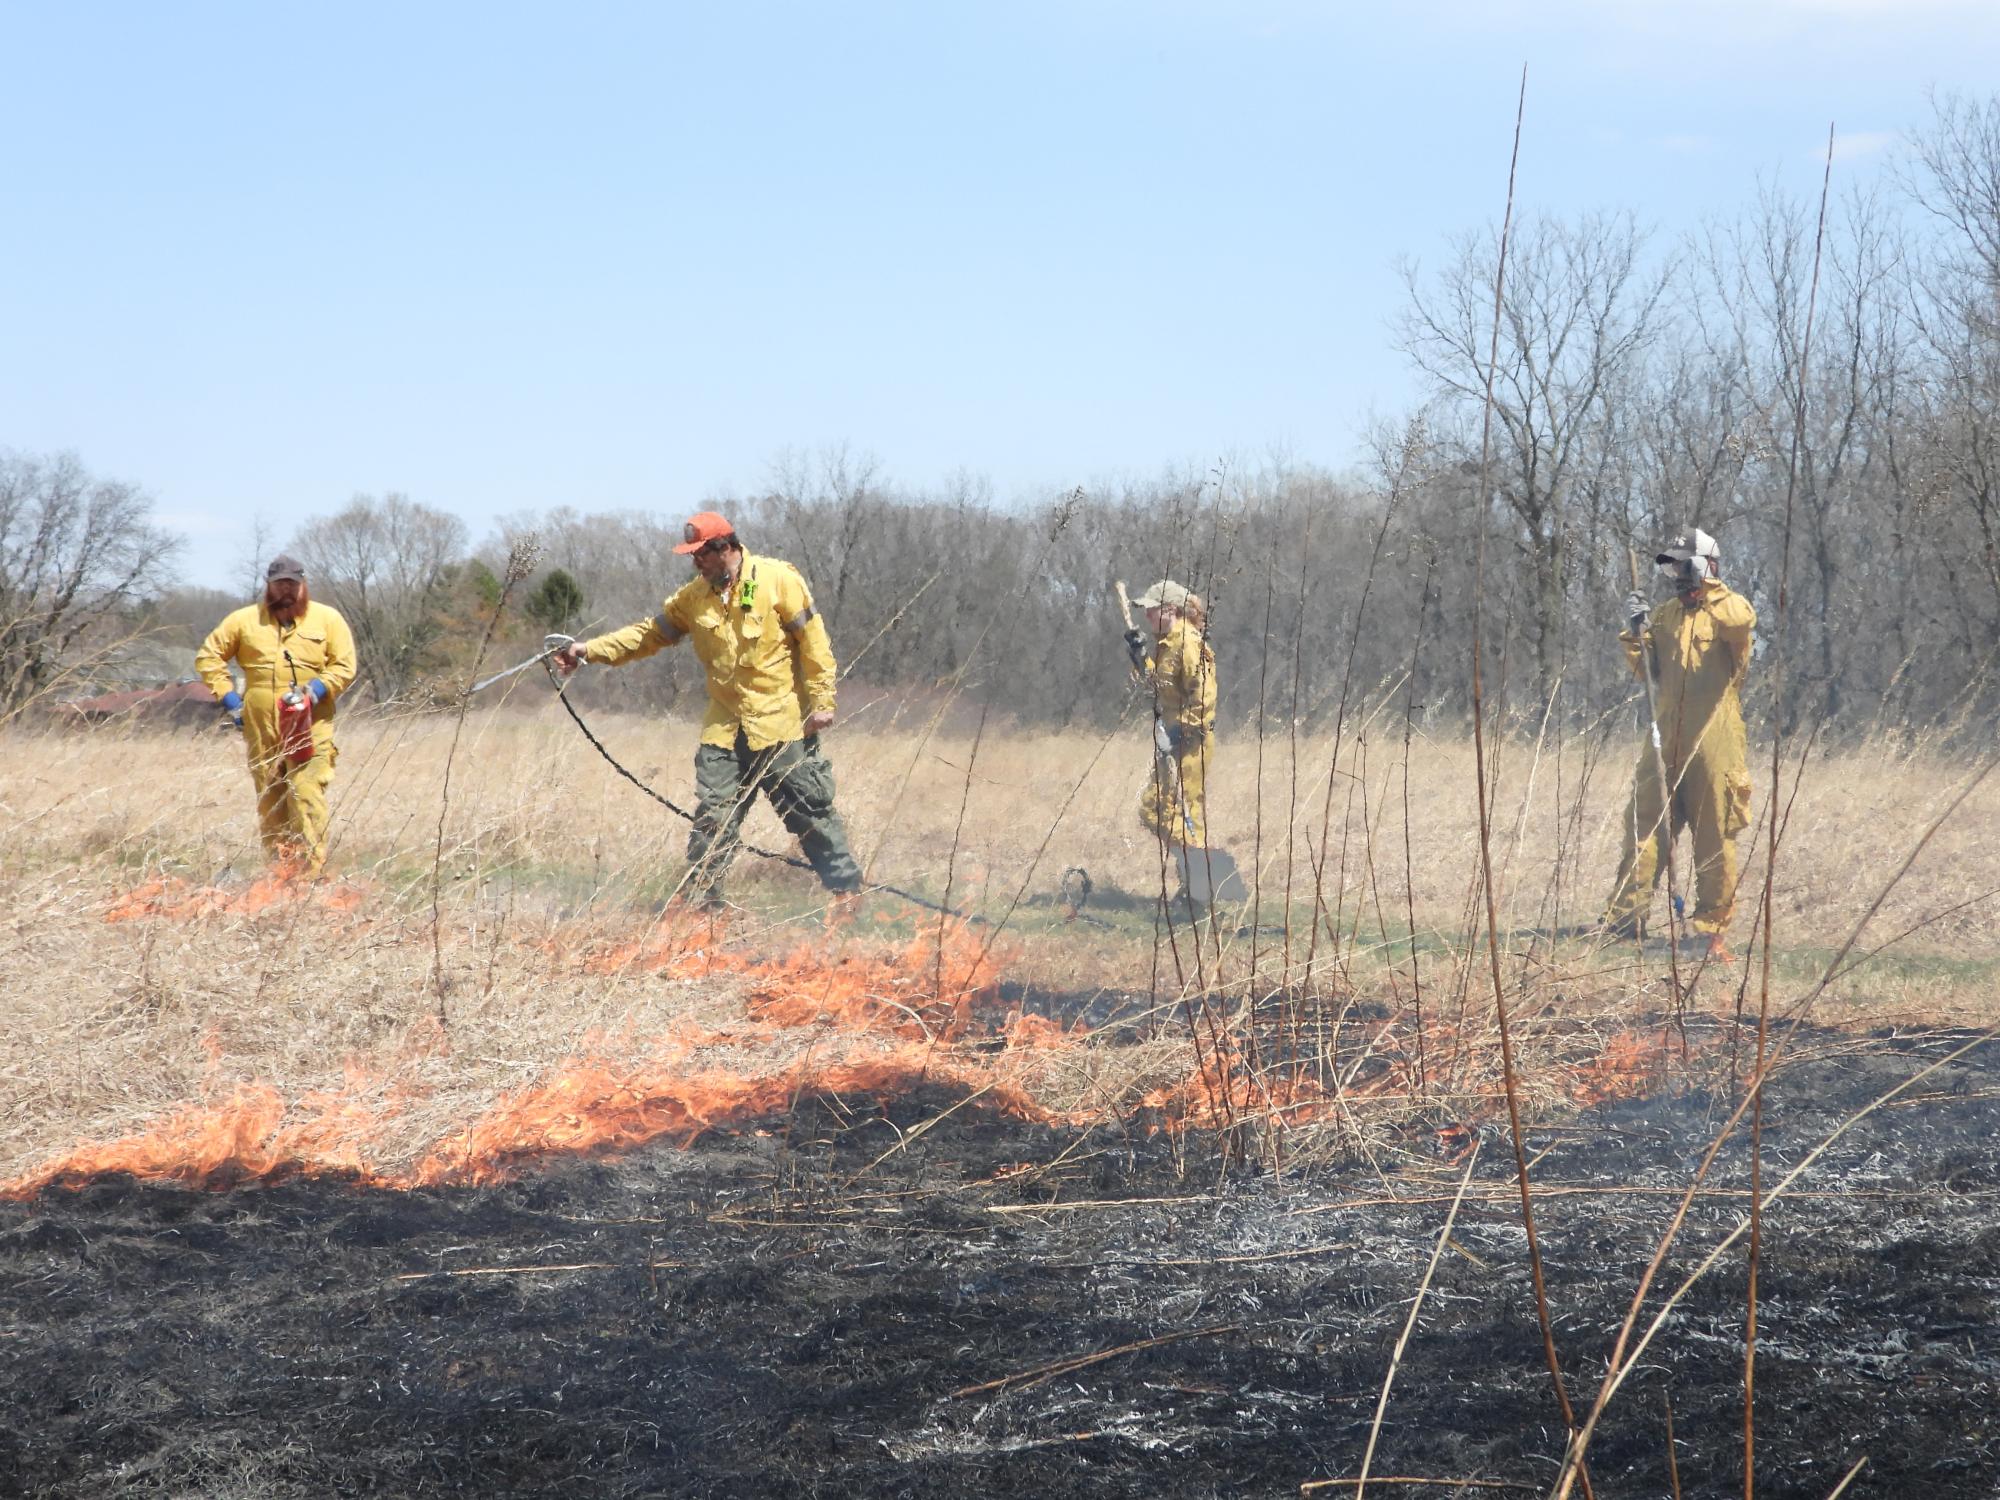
<point>1636,609</point>
<point>1135,643</point>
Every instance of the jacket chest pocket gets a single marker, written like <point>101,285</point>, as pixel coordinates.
<point>307,652</point>
<point>714,643</point>
<point>1697,635</point>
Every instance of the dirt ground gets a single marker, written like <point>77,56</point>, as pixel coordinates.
<point>896,1300</point>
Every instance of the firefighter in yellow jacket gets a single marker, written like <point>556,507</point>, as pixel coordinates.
<point>286,641</point>
<point>1179,667</point>
<point>771,676</point>
<point>1698,646</point>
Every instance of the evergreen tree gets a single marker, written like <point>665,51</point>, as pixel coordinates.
<point>557,601</point>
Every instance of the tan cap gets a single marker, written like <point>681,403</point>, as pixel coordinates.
<point>1165,592</point>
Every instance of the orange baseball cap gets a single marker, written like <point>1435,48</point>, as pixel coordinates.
<point>703,529</point>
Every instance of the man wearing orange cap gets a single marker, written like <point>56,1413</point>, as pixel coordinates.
<point>771,676</point>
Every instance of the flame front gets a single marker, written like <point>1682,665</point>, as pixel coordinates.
<point>870,1020</point>
<point>881,1024</point>
<point>173,899</point>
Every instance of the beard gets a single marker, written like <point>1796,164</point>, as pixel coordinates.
<point>288,611</point>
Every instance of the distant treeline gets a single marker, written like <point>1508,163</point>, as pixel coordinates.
<point>1641,387</point>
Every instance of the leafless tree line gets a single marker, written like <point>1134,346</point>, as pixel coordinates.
<point>77,554</point>
<point>1641,386</point>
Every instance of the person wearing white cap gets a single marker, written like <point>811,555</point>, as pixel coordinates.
<point>1697,647</point>
<point>1180,669</point>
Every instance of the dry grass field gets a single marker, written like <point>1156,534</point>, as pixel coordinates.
<point>150,982</point>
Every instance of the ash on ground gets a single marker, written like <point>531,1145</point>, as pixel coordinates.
<point>843,1302</point>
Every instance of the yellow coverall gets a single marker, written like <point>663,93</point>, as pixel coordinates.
<point>1181,674</point>
<point>770,663</point>
<point>1699,657</point>
<point>291,800</point>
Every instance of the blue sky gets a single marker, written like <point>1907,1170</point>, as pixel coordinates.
<point>503,257</point>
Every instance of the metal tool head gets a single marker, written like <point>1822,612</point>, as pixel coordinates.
<point>551,644</point>
<point>1210,875</point>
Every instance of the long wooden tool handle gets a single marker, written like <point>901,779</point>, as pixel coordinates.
<point>1124,604</point>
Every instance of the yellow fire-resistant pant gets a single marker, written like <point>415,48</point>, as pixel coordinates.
<point>1711,801</point>
<point>292,811</point>
<point>1171,805</point>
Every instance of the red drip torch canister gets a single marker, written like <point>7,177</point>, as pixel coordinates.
<point>295,726</point>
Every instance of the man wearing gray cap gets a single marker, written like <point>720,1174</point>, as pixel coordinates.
<point>297,657</point>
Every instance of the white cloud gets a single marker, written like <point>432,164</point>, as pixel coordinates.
<point>1687,143</point>
<point>1857,143</point>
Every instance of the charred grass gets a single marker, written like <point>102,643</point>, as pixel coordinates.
<point>780,1311</point>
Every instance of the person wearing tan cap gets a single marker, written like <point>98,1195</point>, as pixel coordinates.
<point>1180,669</point>
<point>771,676</point>
<point>297,657</point>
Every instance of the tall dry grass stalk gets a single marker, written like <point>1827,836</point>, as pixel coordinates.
<point>1509,1075</point>
<point>1771,846</point>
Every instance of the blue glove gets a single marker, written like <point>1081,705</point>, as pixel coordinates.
<point>232,705</point>
<point>317,689</point>
<point>1136,644</point>
<point>1176,737</point>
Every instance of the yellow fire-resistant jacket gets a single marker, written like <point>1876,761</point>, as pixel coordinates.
<point>320,645</point>
<point>765,647</point>
<point>1699,658</point>
<point>1183,673</point>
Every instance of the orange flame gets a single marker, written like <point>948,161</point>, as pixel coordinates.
<point>885,1034</point>
<point>882,1021</point>
<point>173,899</point>
<point>1630,1065</point>
<point>243,1137</point>
<point>926,989</point>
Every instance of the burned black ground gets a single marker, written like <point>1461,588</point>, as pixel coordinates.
<point>796,1312</point>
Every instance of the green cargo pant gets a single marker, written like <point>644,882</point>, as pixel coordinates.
<point>799,781</point>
